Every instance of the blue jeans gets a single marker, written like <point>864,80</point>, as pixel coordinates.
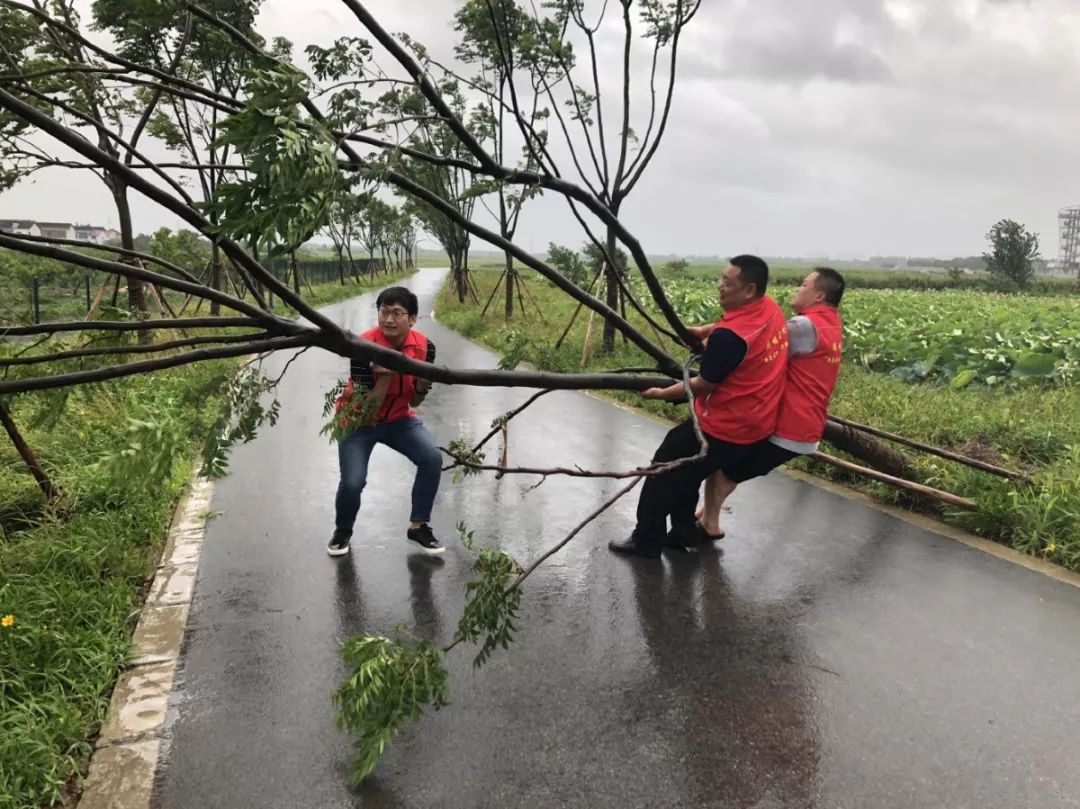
<point>409,437</point>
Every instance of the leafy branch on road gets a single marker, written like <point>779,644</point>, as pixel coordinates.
<point>393,680</point>
<point>288,149</point>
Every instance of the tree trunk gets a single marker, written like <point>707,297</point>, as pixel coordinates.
<point>511,282</point>
<point>504,232</point>
<point>255,255</point>
<point>136,290</point>
<point>459,282</point>
<point>295,274</point>
<point>352,263</point>
<point>215,278</point>
<point>612,295</point>
<point>341,265</point>
<point>872,452</point>
<point>47,488</point>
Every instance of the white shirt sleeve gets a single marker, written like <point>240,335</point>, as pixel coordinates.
<point>802,336</point>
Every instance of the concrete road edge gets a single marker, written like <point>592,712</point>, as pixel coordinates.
<point>124,760</point>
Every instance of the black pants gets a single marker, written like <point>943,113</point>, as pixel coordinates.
<point>674,494</point>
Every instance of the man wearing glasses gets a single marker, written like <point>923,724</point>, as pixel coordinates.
<point>390,420</point>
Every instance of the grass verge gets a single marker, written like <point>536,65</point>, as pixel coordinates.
<point>73,573</point>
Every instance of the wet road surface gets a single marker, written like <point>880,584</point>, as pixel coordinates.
<point>833,656</point>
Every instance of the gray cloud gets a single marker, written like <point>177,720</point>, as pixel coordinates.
<point>838,127</point>
<point>772,40</point>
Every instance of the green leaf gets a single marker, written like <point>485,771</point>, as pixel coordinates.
<point>1031,364</point>
<point>963,378</point>
<point>391,681</point>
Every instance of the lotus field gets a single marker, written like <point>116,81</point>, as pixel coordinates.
<point>958,338</point>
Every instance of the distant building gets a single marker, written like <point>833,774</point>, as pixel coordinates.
<point>60,230</point>
<point>56,230</point>
<point>20,226</point>
<point>93,233</point>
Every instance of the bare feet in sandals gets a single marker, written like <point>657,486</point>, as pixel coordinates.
<point>710,530</point>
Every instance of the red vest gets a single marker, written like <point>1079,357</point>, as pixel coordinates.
<point>742,409</point>
<point>398,402</point>
<point>811,379</point>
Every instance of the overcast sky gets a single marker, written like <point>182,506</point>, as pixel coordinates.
<point>840,128</point>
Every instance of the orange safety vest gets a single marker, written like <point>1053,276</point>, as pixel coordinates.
<point>742,408</point>
<point>811,379</point>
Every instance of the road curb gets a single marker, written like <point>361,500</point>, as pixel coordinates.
<point>1001,551</point>
<point>989,546</point>
<point>125,757</point>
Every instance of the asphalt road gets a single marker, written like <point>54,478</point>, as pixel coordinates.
<point>832,656</point>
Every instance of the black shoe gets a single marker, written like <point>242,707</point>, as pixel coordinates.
<point>685,538</point>
<point>632,547</point>
<point>680,542</point>
<point>339,544</point>
<point>705,536</point>
<point>423,537</point>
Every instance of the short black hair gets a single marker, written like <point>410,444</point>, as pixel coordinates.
<point>831,283</point>
<point>753,270</point>
<point>401,296</point>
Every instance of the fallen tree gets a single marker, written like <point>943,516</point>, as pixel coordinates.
<point>296,149</point>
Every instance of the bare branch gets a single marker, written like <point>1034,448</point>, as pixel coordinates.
<point>152,348</point>
<point>156,96</point>
<point>652,109</point>
<point>186,212</point>
<point>650,151</point>
<point>646,471</point>
<point>17,242</point>
<point>499,426</point>
<point>107,249</point>
<point>148,366</point>
<point>129,325</point>
<point>554,549</point>
<point>62,70</point>
<point>118,141</point>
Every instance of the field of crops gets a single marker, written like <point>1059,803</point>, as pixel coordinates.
<point>959,338</point>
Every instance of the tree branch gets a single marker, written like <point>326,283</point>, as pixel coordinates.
<point>153,348</point>
<point>20,244</point>
<point>129,325</point>
<point>118,141</point>
<point>645,471</point>
<point>187,276</point>
<point>489,165</point>
<point>651,151</point>
<point>187,213</point>
<point>156,96</point>
<point>149,366</point>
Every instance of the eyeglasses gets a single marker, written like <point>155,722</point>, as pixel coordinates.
<point>396,314</point>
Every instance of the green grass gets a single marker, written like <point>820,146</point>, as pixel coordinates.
<point>67,302</point>
<point>951,336</point>
<point>1033,426</point>
<point>876,278</point>
<point>334,291</point>
<point>72,575</point>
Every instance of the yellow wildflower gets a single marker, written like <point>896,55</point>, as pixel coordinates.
<point>1051,548</point>
<point>7,621</point>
